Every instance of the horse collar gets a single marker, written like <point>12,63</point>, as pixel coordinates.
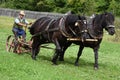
<point>62,27</point>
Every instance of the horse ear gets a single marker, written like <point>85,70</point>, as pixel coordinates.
<point>106,14</point>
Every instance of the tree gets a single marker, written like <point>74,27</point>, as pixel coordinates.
<point>78,6</point>
<point>44,5</point>
<point>21,4</point>
<point>102,5</point>
<point>114,7</point>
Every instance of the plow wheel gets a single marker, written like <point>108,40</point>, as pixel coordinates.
<point>13,45</point>
<point>10,43</point>
<point>23,47</point>
<point>19,48</point>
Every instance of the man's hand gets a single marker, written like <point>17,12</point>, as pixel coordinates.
<point>25,25</point>
<point>30,23</point>
<point>21,24</point>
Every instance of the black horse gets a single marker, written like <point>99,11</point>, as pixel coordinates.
<point>48,30</point>
<point>93,35</point>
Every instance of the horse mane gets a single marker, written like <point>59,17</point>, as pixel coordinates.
<point>71,19</point>
<point>69,12</point>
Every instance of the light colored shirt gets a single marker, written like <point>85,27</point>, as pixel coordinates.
<point>21,20</point>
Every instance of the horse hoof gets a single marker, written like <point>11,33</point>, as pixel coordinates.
<point>76,64</point>
<point>54,62</point>
<point>96,68</point>
<point>61,59</point>
<point>34,58</point>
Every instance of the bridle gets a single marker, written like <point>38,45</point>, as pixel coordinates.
<point>110,26</point>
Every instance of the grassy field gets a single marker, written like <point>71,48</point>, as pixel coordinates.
<point>22,67</point>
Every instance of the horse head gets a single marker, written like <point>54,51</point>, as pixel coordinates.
<point>79,25</point>
<point>82,25</point>
<point>109,23</point>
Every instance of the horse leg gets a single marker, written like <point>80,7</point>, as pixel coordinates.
<point>35,49</point>
<point>57,52</point>
<point>61,56</point>
<point>78,55</point>
<point>96,57</point>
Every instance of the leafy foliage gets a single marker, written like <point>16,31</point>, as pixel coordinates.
<point>79,6</point>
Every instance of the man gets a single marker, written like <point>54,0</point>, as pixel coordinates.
<point>19,23</point>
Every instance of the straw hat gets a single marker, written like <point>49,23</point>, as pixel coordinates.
<point>22,13</point>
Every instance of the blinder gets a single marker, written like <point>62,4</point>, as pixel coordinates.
<point>77,23</point>
<point>80,24</point>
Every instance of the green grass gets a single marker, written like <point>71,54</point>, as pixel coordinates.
<point>22,67</point>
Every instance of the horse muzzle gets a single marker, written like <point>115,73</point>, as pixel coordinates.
<point>111,29</point>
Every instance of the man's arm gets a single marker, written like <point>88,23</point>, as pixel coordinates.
<point>20,24</point>
<point>28,23</point>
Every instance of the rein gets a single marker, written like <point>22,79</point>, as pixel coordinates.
<point>50,30</point>
<point>47,28</point>
<point>49,24</point>
<point>73,31</point>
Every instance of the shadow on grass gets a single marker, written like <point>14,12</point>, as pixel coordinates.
<point>44,57</point>
<point>68,61</point>
<point>82,62</point>
<point>71,61</point>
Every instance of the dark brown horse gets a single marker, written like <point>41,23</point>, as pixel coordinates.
<point>48,30</point>
<point>94,34</point>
